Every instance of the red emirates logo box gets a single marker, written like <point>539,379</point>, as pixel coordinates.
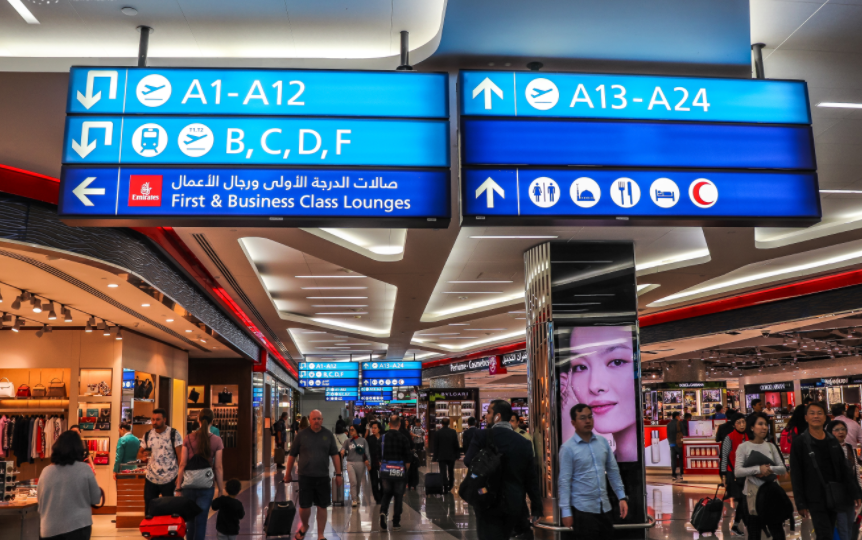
<point>145,190</point>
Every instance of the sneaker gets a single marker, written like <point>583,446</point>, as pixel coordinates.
<point>674,478</point>
<point>736,531</point>
<point>382,522</point>
<point>396,525</point>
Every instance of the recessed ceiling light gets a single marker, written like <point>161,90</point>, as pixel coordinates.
<point>459,324</point>
<point>336,298</point>
<point>842,191</point>
<point>835,105</point>
<point>520,318</point>
<point>514,237</point>
<point>451,334</point>
<point>386,250</point>
<point>327,341</point>
<point>23,12</point>
<point>169,320</point>
<point>473,292</point>
<point>145,305</point>
<point>480,282</point>
<point>113,285</point>
<point>188,331</point>
<point>344,313</point>
<point>130,11</point>
<point>340,305</point>
<point>486,329</point>
<point>328,277</point>
<point>335,288</point>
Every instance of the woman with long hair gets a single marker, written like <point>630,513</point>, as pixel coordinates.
<point>303,423</point>
<point>202,450</point>
<point>67,490</point>
<point>88,459</point>
<point>355,451</point>
<point>756,475</point>
<point>797,422</point>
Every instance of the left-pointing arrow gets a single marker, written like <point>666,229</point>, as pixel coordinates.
<point>83,190</point>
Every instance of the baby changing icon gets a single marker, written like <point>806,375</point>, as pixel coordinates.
<point>544,192</point>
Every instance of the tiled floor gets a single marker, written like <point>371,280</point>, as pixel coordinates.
<point>444,517</point>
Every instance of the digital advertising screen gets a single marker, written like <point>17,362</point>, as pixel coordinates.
<point>597,365</point>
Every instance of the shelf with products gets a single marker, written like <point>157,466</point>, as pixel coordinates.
<point>701,456</point>
<point>99,449</point>
<point>226,419</point>
<point>94,416</point>
<point>224,395</point>
<point>93,382</point>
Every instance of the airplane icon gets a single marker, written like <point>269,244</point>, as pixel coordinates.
<point>537,92</point>
<point>193,139</point>
<point>150,89</point>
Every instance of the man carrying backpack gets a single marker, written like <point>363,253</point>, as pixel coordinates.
<point>163,445</point>
<point>500,459</point>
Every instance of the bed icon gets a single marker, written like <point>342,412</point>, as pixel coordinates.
<point>665,195</point>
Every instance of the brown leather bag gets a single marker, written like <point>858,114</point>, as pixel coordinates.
<point>57,388</point>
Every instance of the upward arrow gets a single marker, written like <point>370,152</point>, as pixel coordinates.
<point>489,187</point>
<point>487,86</point>
<point>89,99</point>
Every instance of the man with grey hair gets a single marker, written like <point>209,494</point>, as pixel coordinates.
<point>314,447</point>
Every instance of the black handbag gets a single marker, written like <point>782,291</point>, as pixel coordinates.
<point>225,397</point>
<point>836,494</point>
<point>194,395</point>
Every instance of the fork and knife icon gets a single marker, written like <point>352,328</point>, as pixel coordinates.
<point>625,186</point>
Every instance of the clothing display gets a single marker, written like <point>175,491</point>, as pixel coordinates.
<point>30,437</point>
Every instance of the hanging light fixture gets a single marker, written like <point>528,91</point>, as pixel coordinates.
<point>52,315</point>
<point>17,326</point>
<point>101,325</point>
<point>26,296</point>
<point>16,304</point>
<point>67,314</point>
<point>36,304</point>
<point>106,331</point>
<point>88,328</point>
<point>40,332</point>
<point>119,337</point>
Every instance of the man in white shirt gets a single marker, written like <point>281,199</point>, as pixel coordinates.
<point>854,430</point>
<point>162,445</point>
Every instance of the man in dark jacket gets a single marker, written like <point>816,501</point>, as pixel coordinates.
<point>520,478</point>
<point>446,452</point>
<point>467,436</point>
<point>808,484</point>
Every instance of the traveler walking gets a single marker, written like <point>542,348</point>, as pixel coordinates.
<point>374,451</point>
<point>294,426</point>
<point>587,464</point>
<point>163,444</point>
<point>516,426</point>
<point>719,414</point>
<point>854,430</point>
<point>822,484</point>
<point>355,452</point>
<point>314,447</point>
<point>340,435</point>
<point>517,474</point>
<point>395,460</point>
<point>725,428</point>
<point>727,470</point>
<point>446,452</point>
<point>846,519</point>
<point>467,436</point>
<point>675,435</point>
<point>756,476</point>
<point>756,409</point>
<point>418,435</point>
<point>66,491</point>
<point>127,449</point>
<point>340,425</point>
<point>202,451</point>
<point>280,431</point>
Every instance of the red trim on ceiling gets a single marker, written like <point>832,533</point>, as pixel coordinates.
<point>784,292</point>
<point>171,242</point>
<point>28,184</point>
<point>505,349</point>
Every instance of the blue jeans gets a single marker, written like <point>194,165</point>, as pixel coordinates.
<point>196,529</point>
<point>846,524</point>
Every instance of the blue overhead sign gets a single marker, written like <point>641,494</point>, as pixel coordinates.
<point>257,92</point>
<point>653,194</point>
<point>391,365</point>
<point>609,96</point>
<point>329,374</point>
<point>488,141</point>
<point>340,366</point>
<point>256,141</point>
<point>255,148</point>
<point>175,195</point>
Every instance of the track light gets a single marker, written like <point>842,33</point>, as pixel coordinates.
<point>37,305</point>
<point>88,328</point>
<point>106,331</point>
<point>49,328</point>
<point>101,325</point>
<point>7,318</point>
<point>25,296</point>
<point>16,305</point>
<point>41,331</point>
<point>114,330</point>
<point>17,326</point>
<point>67,314</point>
<point>91,321</point>
<point>119,335</point>
<point>52,315</point>
<point>1,297</point>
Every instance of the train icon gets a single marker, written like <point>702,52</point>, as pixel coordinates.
<point>150,139</point>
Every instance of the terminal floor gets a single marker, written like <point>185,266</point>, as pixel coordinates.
<point>447,517</point>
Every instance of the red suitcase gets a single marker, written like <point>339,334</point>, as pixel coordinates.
<point>163,527</point>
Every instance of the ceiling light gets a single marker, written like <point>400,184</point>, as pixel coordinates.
<point>6,318</point>
<point>188,331</point>
<point>88,328</point>
<point>113,285</point>
<point>452,334</point>
<point>335,288</point>
<point>327,340</point>
<point>23,11</point>
<point>48,328</point>
<point>41,331</point>
<point>145,305</point>
<point>514,237</point>
<point>169,320</point>
<point>114,330</point>
<point>473,292</point>
<point>386,250</point>
<point>459,324</point>
<point>106,331</point>
<point>1,297</point>
<point>37,305</point>
<point>343,313</point>
<point>480,282</point>
<point>844,191</point>
<point>203,341</point>
<point>130,11</point>
<point>101,325</point>
<point>25,296</point>
<point>486,329</point>
<point>336,298</point>
<point>327,277</point>
<point>835,105</point>
<point>17,326</point>
<point>340,305</point>
<point>119,336</point>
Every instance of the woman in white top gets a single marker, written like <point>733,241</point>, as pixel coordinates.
<point>754,476</point>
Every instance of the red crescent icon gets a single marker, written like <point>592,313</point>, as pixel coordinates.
<point>695,192</point>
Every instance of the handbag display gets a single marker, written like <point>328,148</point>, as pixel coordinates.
<point>103,426</point>
<point>39,391</point>
<point>57,389</point>
<point>225,397</point>
<point>88,419</point>
<point>92,412</point>
<point>104,389</point>
<point>91,390</point>
<point>101,458</point>
<point>23,391</point>
<point>194,395</point>
<point>87,426</point>
<point>7,389</point>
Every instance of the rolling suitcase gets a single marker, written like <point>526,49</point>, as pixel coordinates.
<point>163,527</point>
<point>706,516</point>
<point>337,492</point>
<point>279,456</point>
<point>433,480</point>
<point>279,518</point>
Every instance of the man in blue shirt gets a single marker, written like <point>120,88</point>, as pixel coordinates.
<point>585,461</point>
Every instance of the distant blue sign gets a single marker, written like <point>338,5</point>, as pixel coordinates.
<point>374,394</point>
<point>590,193</point>
<point>371,379</point>
<point>256,141</point>
<point>324,383</point>
<point>391,365</point>
<point>581,95</point>
<point>341,366</point>
<point>635,144</point>
<point>329,374</point>
<point>185,193</point>
<point>257,92</point>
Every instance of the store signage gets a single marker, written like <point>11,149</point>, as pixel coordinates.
<point>675,386</point>
<point>257,92</point>
<point>177,193</point>
<point>174,146</point>
<point>370,403</point>
<point>515,358</point>
<point>555,148</point>
<point>375,393</point>
<point>652,194</point>
<point>579,95</point>
<point>329,374</point>
<point>831,381</point>
<point>452,394</point>
<point>769,387</point>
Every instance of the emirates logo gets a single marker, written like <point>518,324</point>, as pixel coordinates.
<point>145,189</point>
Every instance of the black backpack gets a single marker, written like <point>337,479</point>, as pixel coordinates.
<point>483,483</point>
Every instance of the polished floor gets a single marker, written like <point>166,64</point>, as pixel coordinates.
<point>445,517</point>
